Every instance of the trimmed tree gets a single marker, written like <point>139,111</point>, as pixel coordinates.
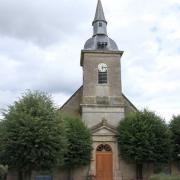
<point>3,168</point>
<point>33,136</point>
<point>175,130</point>
<point>144,138</point>
<point>79,144</point>
<point>3,172</point>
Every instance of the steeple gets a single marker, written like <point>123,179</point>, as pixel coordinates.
<point>99,23</point>
<point>99,16</point>
<point>100,40</point>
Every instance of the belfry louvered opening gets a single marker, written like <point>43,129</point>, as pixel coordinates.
<point>102,77</point>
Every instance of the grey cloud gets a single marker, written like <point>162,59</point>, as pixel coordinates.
<point>40,43</point>
<point>45,78</point>
<point>43,21</point>
<point>36,68</point>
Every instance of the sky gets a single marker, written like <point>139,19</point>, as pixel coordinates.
<point>41,41</point>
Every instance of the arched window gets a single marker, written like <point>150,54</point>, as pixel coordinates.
<point>102,73</point>
<point>103,148</point>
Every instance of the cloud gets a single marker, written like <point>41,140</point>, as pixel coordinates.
<point>40,43</point>
<point>42,22</point>
<point>36,68</point>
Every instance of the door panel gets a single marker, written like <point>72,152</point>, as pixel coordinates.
<point>104,166</point>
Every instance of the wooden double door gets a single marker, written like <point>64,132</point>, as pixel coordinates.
<point>104,163</point>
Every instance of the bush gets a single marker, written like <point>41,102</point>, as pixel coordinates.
<point>164,177</point>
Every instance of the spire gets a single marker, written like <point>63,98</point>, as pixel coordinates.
<point>99,16</point>
<point>99,23</point>
<point>100,39</point>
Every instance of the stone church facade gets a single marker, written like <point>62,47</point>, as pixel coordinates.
<point>101,105</point>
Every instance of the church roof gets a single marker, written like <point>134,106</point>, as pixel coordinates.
<point>72,105</point>
<point>99,16</point>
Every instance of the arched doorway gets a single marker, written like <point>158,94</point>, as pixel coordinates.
<point>104,163</point>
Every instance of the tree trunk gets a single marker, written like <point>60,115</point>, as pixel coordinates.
<point>70,174</point>
<point>20,175</point>
<point>139,173</point>
<point>5,176</point>
<point>27,175</point>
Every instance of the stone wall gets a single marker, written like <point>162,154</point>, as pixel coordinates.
<point>91,89</point>
<point>126,171</point>
<point>175,168</point>
<point>72,106</point>
<point>94,115</point>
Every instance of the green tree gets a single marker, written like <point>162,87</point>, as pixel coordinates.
<point>3,172</point>
<point>144,137</point>
<point>79,144</point>
<point>32,137</point>
<point>175,130</point>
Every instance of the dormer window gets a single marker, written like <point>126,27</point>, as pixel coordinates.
<point>102,45</point>
<point>102,73</point>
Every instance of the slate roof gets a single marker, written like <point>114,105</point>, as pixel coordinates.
<point>99,16</point>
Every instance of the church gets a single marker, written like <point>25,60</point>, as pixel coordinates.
<point>101,104</point>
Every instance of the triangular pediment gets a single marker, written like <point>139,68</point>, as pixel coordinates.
<point>103,128</point>
<point>104,132</point>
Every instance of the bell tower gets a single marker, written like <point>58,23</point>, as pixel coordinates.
<point>100,103</point>
<point>102,90</point>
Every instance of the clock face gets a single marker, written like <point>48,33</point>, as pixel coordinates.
<point>102,67</point>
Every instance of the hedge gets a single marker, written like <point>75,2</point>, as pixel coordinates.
<point>164,177</point>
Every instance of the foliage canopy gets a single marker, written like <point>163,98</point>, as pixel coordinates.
<point>175,130</point>
<point>79,143</point>
<point>144,137</point>
<point>31,136</point>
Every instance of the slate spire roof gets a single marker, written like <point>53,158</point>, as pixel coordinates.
<point>100,40</point>
<point>99,16</point>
